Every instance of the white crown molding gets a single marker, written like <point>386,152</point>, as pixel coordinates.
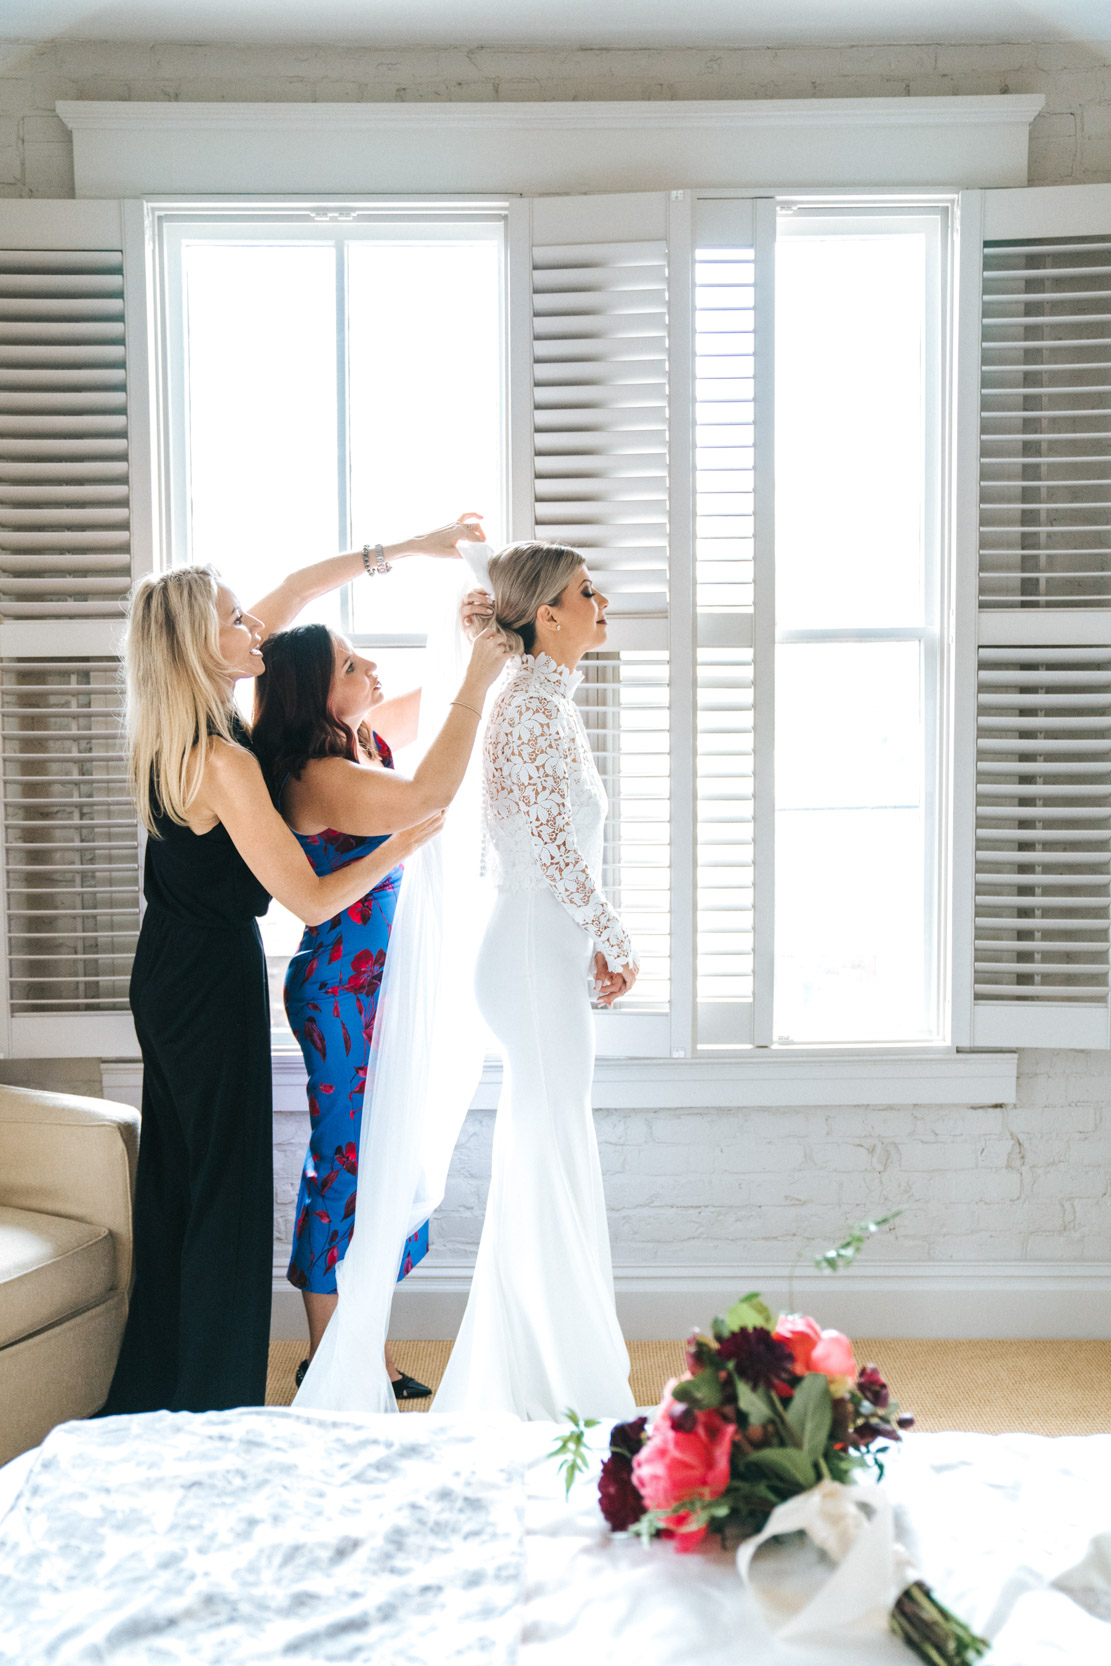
<point>717,113</point>
<point>127,149</point>
<point>879,1299</point>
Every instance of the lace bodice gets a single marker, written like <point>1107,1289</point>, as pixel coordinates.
<point>545,802</point>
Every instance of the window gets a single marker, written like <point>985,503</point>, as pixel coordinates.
<point>332,380</point>
<point>859,555</point>
<point>332,383</point>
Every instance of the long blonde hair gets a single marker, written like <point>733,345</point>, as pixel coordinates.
<point>176,698</point>
<point>526,577</point>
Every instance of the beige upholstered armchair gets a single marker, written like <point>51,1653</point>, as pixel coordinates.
<point>67,1170</point>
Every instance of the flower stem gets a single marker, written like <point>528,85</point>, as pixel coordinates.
<point>934,1634</point>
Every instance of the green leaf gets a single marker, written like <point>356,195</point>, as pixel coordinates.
<point>702,1390</point>
<point>810,1414</point>
<point>783,1463</point>
<point>750,1313</point>
<point>846,1252</point>
<point>753,1402</point>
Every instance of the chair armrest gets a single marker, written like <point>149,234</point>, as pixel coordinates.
<point>61,1155</point>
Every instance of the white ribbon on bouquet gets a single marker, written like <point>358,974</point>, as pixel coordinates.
<point>855,1529</point>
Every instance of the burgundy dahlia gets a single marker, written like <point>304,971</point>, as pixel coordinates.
<point>621,1504</point>
<point>628,1437</point>
<point>757,1356</point>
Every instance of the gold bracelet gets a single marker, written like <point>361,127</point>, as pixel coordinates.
<point>466,708</point>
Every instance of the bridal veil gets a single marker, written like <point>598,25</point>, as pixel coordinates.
<point>425,1059</point>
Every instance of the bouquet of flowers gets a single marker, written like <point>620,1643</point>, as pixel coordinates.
<point>766,1412</point>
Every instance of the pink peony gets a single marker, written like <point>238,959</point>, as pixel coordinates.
<point>800,1335</point>
<point>676,1466</point>
<point>833,1356</point>
<point>814,1349</point>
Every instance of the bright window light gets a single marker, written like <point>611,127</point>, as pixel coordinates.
<point>261,432</point>
<point>334,389</point>
<point>856,340</point>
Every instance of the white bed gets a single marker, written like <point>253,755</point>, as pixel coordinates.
<point>267,1535</point>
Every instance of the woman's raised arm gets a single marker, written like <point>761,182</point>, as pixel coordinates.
<point>234,790</point>
<point>281,606</point>
<point>356,799</point>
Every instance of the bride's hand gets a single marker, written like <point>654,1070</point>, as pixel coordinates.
<point>443,539</point>
<point>477,612</point>
<point>610,986</point>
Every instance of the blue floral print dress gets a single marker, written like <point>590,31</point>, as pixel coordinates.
<point>331,998</point>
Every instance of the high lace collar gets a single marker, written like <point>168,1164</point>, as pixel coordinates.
<point>544,667</point>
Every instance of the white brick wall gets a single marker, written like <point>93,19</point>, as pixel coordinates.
<point>1070,141</point>
<point>1024,1183</point>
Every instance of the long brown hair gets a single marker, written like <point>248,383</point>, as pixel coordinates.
<point>294,720</point>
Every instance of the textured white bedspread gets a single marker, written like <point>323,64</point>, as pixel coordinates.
<point>264,1535</point>
<point>283,1536</point>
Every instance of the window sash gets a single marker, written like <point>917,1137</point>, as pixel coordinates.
<point>319,226</point>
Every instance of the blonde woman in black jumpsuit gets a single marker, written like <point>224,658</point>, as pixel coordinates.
<point>198,1326</point>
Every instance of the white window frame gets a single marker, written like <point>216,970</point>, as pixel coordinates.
<point>639,1036</point>
<point>767,1075</point>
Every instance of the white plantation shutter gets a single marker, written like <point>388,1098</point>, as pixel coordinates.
<point>600,374</point>
<point>71,856</point>
<point>64,530</point>
<point>724,572</point>
<point>70,844</point>
<point>1043,751</point>
<point>594,468</point>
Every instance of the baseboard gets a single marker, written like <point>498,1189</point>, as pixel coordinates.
<point>907,1299</point>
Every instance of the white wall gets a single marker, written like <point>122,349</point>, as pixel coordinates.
<point>1006,1228</point>
<point>1070,141</point>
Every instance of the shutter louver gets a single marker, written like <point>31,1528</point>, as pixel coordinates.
<point>1043,831</point>
<point>64,517</point>
<point>1045,505</point>
<point>1042,915</point>
<point>724,476</point>
<point>623,698</point>
<point>600,413</point>
<point>592,471</point>
<point>70,839</point>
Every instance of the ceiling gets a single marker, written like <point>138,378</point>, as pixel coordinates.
<point>624,23</point>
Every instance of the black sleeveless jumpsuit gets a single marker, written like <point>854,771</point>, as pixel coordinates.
<point>199,1323</point>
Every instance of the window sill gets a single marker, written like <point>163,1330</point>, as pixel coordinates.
<point>819,1076</point>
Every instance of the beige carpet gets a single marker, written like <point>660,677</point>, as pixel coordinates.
<point>1040,1388</point>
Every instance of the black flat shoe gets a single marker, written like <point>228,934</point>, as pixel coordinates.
<point>408,1388</point>
<point>299,1374</point>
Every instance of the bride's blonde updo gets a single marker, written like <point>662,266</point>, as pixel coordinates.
<point>526,577</point>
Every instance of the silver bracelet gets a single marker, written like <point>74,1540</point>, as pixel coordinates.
<point>381,565</point>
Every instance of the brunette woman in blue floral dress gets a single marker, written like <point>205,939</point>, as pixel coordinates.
<point>333,778</point>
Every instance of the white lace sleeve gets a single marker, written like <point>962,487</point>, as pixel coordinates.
<point>532,765</point>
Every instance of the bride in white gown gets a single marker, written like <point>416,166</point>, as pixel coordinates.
<point>540,1333</point>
